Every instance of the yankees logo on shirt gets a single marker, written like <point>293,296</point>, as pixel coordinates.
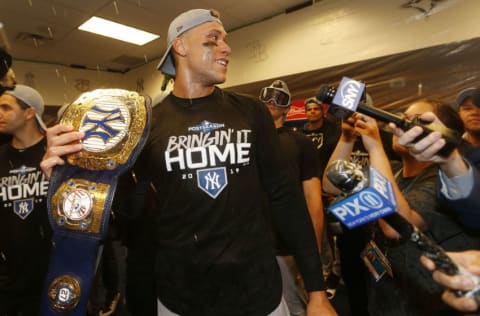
<point>206,152</point>
<point>22,188</point>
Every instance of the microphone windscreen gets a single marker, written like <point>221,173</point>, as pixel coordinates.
<point>346,176</point>
<point>326,93</point>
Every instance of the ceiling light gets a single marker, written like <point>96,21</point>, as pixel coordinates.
<point>117,31</point>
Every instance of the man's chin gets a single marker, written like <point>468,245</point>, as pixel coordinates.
<point>215,80</point>
<point>221,79</point>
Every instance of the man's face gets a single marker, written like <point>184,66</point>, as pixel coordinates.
<point>470,115</point>
<point>313,112</point>
<point>207,53</point>
<point>276,111</point>
<point>12,116</point>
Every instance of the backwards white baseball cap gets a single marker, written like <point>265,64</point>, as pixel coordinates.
<point>32,98</point>
<point>182,23</point>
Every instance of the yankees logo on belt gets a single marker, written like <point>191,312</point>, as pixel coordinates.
<point>116,124</point>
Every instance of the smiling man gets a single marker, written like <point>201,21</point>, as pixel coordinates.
<point>212,157</point>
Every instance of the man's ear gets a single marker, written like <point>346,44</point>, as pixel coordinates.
<point>30,113</point>
<point>178,46</point>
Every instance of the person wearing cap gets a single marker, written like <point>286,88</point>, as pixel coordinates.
<point>25,232</point>
<point>305,167</point>
<point>212,157</point>
<point>324,133</point>
<point>459,172</point>
<point>408,290</point>
<point>459,189</point>
<point>346,244</point>
<point>468,107</point>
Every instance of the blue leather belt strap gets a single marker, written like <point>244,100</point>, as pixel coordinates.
<point>116,124</point>
<point>73,257</point>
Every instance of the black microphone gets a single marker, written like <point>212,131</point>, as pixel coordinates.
<point>166,80</point>
<point>7,76</point>
<point>348,177</point>
<point>348,99</point>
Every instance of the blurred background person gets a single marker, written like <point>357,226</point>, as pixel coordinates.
<point>324,132</point>
<point>305,168</point>
<point>468,107</point>
<point>25,233</point>
<point>459,175</point>
<point>409,290</point>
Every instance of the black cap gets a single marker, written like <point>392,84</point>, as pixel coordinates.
<point>465,94</point>
<point>5,62</point>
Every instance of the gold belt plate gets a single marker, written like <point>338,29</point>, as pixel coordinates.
<point>78,205</point>
<point>113,121</point>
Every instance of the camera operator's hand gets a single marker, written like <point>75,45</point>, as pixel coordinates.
<point>426,149</point>
<point>468,260</point>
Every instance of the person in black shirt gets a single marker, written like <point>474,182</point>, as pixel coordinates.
<point>25,234</point>
<point>408,290</point>
<point>305,167</point>
<point>323,132</point>
<point>211,156</point>
<point>459,188</point>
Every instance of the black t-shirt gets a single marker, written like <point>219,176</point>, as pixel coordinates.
<point>360,155</point>
<point>325,140</point>
<point>415,293</point>
<point>25,233</point>
<point>300,154</point>
<point>211,160</point>
<point>303,161</point>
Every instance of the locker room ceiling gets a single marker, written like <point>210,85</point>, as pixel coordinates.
<point>45,31</point>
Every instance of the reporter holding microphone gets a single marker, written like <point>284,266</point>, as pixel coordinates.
<point>459,174</point>
<point>459,188</point>
<point>409,290</point>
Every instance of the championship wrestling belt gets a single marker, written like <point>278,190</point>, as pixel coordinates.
<point>116,124</point>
